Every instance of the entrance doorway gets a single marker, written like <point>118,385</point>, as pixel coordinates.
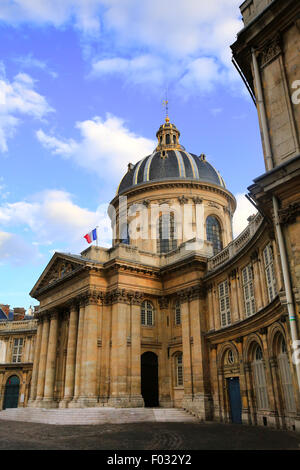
<point>235,399</point>
<point>149,378</point>
<point>11,394</point>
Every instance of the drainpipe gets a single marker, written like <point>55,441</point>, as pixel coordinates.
<point>281,244</point>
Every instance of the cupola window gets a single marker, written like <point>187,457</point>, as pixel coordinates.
<point>166,236</point>
<point>213,233</point>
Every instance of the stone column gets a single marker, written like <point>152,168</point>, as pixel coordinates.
<point>273,415</point>
<point>35,369</point>
<point>136,398</point>
<point>165,398</point>
<point>42,361</point>
<point>202,402</point>
<point>106,351</point>
<point>119,396</point>
<point>235,315</point>
<point>48,401</point>
<point>2,388</point>
<point>71,356</point>
<point>79,354</point>
<point>186,354</point>
<point>257,281</point>
<point>214,382</point>
<point>88,394</point>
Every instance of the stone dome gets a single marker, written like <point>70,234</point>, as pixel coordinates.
<point>170,161</point>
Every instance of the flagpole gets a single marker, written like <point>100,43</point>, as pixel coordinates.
<point>97,226</point>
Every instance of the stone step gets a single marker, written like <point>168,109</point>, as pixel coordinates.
<point>99,415</point>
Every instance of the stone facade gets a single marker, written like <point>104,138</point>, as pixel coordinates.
<point>134,326</point>
<point>16,361</point>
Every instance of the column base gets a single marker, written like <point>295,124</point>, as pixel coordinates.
<point>119,402</point>
<point>64,403</point>
<point>48,403</point>
<point>166,403</point>
<point>85,402</point>
<point>200,405</point>
<point>137,401</point>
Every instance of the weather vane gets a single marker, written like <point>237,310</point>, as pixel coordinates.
<point>166,105</point>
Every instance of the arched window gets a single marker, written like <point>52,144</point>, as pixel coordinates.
<point>168,139</point>
<point>125,235</point>
<point>179,369</point>
<point>213,233</point>
<point>230,357</point>
<point>177,313</point>
<point>147,313</point>
<point>166,233</point>
<point>258,368</point>
<point>286,377</point>
<point>174,139</point>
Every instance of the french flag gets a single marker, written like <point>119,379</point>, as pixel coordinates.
<point>91,236</point>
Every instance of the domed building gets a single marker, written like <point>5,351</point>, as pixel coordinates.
<point>177,313</point>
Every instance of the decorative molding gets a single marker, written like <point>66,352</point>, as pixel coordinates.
<point>163,302</point>
<point>289,214</point>
<point>197,200</point>
<point>263,331</point>
<point>270,52</point>
<point>254,255</point>
<point>146,202</point>
<point>183,200</point>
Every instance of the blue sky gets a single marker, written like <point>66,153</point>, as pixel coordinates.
<point>81,90</point>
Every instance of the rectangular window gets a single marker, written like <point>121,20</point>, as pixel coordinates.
<point>270,272</point>
<point>248,289</point>
<point>17,350</point>
<point>224,304</point>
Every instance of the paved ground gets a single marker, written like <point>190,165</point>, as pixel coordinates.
<point>144,436</point>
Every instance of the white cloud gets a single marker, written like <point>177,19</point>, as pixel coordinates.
<point>243,211</point>
<point>172,34</point>
<point>53,12</point>
<point>140,69</point>
<point>18,98</point>
<point>28,62</point>
<point>15,250</point>
<point>50,218</point>
<point>106,146</point>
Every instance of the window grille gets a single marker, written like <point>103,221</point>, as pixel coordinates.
<point>213,233</point>
<point>177,314</point>
<point>224,304</point>
<point>179,370</point>
<point>166,236</point>
<point>248,289</point>
<point>147,314</point>
<point>260,380</point>
<point>270,273</point>
<point>286,379</point>
<point>17,350</point>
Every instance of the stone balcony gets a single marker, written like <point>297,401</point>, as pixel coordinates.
<point>236,245</point>
<point>18,326</point>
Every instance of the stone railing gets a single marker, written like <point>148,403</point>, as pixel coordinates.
<point>236,245</point>
<point>22,325</point>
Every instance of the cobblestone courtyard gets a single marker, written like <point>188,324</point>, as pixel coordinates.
<point>144,436</point>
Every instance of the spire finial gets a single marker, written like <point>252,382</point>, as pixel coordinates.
<point>166,105</point>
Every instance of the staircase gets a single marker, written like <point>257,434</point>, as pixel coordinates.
<point>103,415</point>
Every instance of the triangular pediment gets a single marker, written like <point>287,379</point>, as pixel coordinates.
<point>59,268</point>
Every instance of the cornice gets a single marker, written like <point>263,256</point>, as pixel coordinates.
<point>260,321</point>
<point>175,184</point>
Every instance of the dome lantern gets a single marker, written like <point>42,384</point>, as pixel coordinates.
<point>168,138</point>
